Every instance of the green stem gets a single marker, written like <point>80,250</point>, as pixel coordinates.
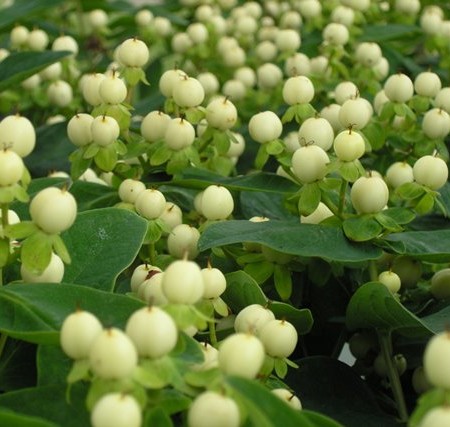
<point>3,338</point>
<point>342,193</point>
<point>373,271</point>
<point>152,253</point>
<point>80,17</point>
<point>384,338</point>
<point>212,333</point>
<point>4,224</point>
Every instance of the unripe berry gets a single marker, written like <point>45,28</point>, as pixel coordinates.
<point>53,273</point>
<point>439,416</point>
<point>211,409</point>
<point>150,203</point>
<point>60,93</point>
<point>399,173</point>
<point>154,125</point>
<point>265,127</point>
<point>97,18</point>
<point>316,131</point>
<point>221,113</point>
<point>65,43</point>
<point>141,273</point>
<point>368,53</point>
<point>116,410</point>
<point>241,354</point>
<point>427,84</point>
<point>90,88</point>
<point>133,53</point>
<point>369,194</point>
<point>19,36</point>
<point>151,292</point>
<point>355,113</point>
<point>168,79</point>
<point>209,82</point>
<point>268,76</point>
<point>345,90</point>
<point>11,167</point>
<point>78,332</point>
<point>153,332</point>
<point>105,130</point>
<point>298,90</point>
<point>349,145</point>
<point>215,282</point>
<point>321,213</point>
<point>179,134</point>
<point>430,171</point>
<point>112,89</point>
<point>112,355</point>
<point>129,190</point>
<point>287,396</point>
<point>279,338</point>
<point>182,241</point>
<point>37,40</point>
<point>252,318</point>
<point>436,123</point>
<point>217,203</point>
<point>440,284</point>
<point>18,134</point>
<point>188,92</point>
<point>79,129</point>
<point>53,210</point>
<point>183,282</point>
<point>391,280</point>
<point>435,360</point>
<point>172,215</point>
<point>335,34</point>
<point>399,88</point>
<point>309,163</point>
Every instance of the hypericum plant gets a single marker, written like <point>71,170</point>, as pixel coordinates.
<point>228,193</point>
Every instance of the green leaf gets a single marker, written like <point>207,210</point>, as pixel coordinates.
<point>21,230</point>
<point>154,374</point>
<point>60,249</point>
<point>157,417</point>
<point>438,321</point>
<point>281,368</point>
<point>242,290</point>
<point>267,410</point>
<point>19,9</point>
<point>52,365</point>
<point>425,204</point>
<point>90,195</point>
<point>374,306</point>
<point>350,171</point>
<point>79,371</point>
<point>13,419</point>
<point>375,134</point>
<point>398,215</point>
<point>303,112</point>
<point>262,156</point>
<point>161,155</point>
<point>275,147</point>
<point>387,111</point>
<point>36,252</point>
<point>283,281</point>
<point>302,318</point>
<point>49,403</point>
<point>361,228</point>
<point>427,401</point>
<point>78,164</point>
<point>106,158</point>
<point>410,191</point>
<point>328,386</point>
<point>20,65</point>
<point>307,240</point>
<point>309,198</point>
<point>260,181</point>
<point>35,312</point>
<point>154,231</point>
<point>430,245</point>
<point>102,243</point>
<point>221,141</point>
<point>289,114</point>
<point>382,33</point>
<point>90,151</point>
<point>260,271</point>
